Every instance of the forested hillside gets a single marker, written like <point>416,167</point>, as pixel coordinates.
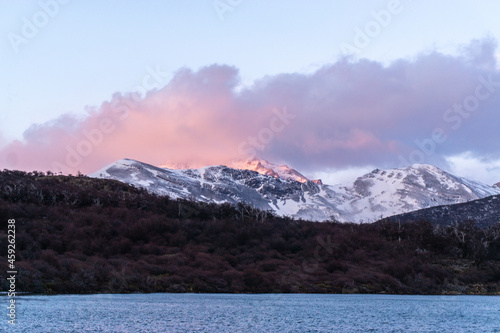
<point>83,235</point>
<point>484,212</point>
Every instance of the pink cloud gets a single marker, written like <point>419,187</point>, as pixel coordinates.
<point>345,114</point>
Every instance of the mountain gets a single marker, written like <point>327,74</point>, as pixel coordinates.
<point>258,165</point>
<point>265,168</point>
<point>484,212</point>
<point>407,189</point>
<point>497,185</point>
<point>209,184</point>
<point>266,186</point>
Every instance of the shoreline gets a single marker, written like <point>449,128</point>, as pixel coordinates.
<point>3,294</point>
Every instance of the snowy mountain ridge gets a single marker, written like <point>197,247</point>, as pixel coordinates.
<point>378,194</point>
<point>265,168</point>
<point>259,165</point>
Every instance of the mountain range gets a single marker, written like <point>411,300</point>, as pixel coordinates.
<point>285,191</point>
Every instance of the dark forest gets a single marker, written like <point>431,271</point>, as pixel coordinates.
<point>76,234</point>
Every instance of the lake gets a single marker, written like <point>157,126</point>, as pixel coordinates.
<point>254,313</point>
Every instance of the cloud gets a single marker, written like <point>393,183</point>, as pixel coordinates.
<point>341,176</point>
<point>469,165</point>
<point>351,113</point>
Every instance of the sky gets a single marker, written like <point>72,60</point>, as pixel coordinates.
<point>331,88</point>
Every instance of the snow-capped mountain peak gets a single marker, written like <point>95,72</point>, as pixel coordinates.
<point>258,165</point>
<point>382,193</point>
<point>270,169</point>
<point>267,186</point>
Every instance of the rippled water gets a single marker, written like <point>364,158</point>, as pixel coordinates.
<point>254,313</point>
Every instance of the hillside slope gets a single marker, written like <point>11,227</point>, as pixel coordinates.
<point>85,235</point>
<point>484,212</point>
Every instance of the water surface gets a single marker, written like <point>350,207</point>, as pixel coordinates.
<point>254,313</point>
